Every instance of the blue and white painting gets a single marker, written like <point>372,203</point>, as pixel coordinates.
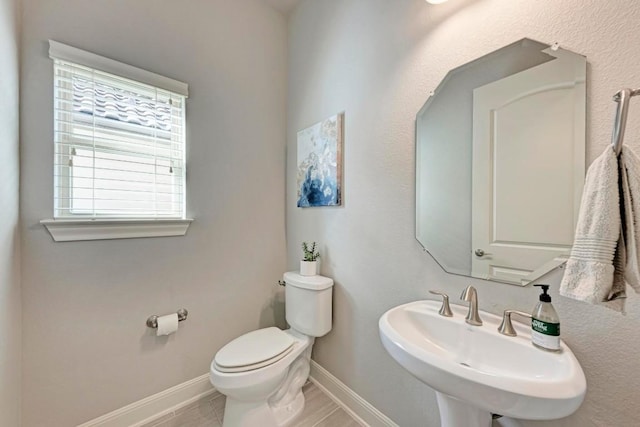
<point>320,163</point>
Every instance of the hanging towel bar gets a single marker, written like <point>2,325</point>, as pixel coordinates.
<point>622,97</point>
<point>616,97</point>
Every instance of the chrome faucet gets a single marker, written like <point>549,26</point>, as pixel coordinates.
<point>471,295</point>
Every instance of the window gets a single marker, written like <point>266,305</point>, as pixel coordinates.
<point>119,136</point>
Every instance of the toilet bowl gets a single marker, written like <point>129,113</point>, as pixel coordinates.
<point>262,372</point>
<point>269,395</point>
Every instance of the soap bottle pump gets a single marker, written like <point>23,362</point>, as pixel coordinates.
<point>545,323</point>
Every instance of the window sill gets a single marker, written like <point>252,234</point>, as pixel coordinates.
<point>70,230</point>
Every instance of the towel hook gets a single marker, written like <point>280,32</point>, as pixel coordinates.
<point>622,97</point>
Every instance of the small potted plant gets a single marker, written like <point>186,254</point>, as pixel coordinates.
<point>309,263</point>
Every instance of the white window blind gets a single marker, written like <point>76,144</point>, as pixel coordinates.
<point>119,143</point>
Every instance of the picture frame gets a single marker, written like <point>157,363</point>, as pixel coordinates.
<point>319,160</point>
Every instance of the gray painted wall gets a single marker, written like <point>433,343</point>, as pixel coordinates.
<point>87,350</point>
<point>377,60</point>
<point>10,301</point>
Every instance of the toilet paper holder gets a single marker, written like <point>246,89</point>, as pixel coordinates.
<point>152,321</point>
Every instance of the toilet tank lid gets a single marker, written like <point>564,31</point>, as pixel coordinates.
<point>316,283</point>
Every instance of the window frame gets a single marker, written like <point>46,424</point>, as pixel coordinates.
<point>94,226</point>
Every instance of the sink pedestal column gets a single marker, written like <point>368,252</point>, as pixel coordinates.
<point>456,413</point>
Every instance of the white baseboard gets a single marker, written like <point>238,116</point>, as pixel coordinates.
<point>156,406</point>
<point>349,400</point>
<point>167,401</point>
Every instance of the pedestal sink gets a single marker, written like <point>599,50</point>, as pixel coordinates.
<point>476,371</point>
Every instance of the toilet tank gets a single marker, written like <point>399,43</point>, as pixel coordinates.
<point>308,303</point>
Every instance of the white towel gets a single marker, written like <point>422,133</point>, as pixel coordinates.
<point>630,216</point>
<point>605,254</point>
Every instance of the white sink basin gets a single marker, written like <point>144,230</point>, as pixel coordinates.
<point>477,366</point>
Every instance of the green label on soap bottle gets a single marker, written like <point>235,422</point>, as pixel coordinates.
<point>546,328</point>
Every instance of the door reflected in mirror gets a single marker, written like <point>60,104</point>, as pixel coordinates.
<point>500,163</point>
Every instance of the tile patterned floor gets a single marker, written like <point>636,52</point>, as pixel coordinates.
<point>319,411</point>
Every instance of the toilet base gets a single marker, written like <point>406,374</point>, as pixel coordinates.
<point>253,414</point>
<point>261,414</point>
<point>248,414</point>
<point>286,414</point>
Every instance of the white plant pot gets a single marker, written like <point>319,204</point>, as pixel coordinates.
<point>308,268</point>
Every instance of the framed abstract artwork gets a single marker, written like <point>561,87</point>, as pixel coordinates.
<point>319,176</point>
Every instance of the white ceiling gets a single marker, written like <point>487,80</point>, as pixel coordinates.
<point>285,6</point>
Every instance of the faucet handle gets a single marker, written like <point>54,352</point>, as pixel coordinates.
<point>445,310</point>
<point>506,327</point>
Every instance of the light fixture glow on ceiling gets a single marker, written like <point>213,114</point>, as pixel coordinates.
<point>436,1</point>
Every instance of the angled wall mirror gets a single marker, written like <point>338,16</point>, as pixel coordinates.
<point>500,163</point>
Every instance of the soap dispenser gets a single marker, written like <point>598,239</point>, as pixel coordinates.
<point>545,323</point>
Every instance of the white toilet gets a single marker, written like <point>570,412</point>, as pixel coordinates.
<point>262,372</point>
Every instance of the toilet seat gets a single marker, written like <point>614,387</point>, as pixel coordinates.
<point>254,350</point>
<point>254,366</point>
